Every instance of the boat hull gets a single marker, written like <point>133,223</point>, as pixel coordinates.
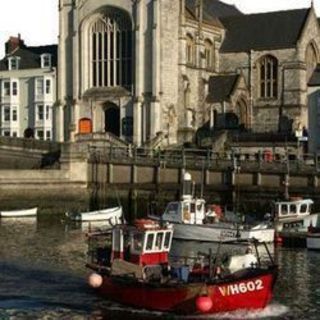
<point>19,213</point>
<point>300,224</point>
<point>313,241</point>
<point>114,215</point>
<point>248,292</point>
<point>212,233</point>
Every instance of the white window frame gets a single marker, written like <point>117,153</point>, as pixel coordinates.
<point>48,112</point>
<point>38,136</point>
<point>40,115</point>
<point>13,63</point>
<point>46,60</point>
<point>5,112</point>
<point>48,86</point>
<point>6,89</point>
<point>14,88</point>
<point>39,87</point>
<point>48,134</point>
<point>14,110</point>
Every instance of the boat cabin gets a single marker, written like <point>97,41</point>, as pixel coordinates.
<point>189,210</point>
<point>145,243</point>
<point>292,209</point>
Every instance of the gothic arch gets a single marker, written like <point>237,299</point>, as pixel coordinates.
<point>107,48</point>
<point>111,118</point>
<point>243,112</point>
<point>268,74</point>
<point>311,58</point>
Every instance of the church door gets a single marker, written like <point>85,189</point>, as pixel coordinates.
<point>112,119</point>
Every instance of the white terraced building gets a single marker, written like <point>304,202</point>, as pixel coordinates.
<point>28,90</point>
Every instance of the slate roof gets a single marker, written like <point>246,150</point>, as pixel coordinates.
<point>315,78</point>
<point>30,57</point>
<point>263,31</point>
<point>221,87</point>
<point>213,9</point>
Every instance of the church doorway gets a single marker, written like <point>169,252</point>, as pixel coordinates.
<point>112,118</point>
<point>243,114</point>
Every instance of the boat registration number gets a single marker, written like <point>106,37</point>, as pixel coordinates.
<point>242,287</point>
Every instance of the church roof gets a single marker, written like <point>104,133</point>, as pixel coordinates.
<point>221,87</point>
<point>30,57</point>
<point>315,78</point>
<point>213,9</point>
<point>263,31</point>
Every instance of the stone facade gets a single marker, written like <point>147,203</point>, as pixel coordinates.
<point>166,102</point>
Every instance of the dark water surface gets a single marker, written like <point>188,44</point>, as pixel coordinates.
<point>42,276</point>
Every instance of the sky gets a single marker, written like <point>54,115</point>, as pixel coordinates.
<point>37,20</point>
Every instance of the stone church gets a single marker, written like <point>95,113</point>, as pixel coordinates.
<point>155,72</point>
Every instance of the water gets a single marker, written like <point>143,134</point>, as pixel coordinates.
<point>43,277</point>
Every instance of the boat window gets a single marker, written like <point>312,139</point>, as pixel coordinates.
<point>284,209</point>
<point>149,244</point>
<point>303,208</point>
<point>172,208</point>
<point>167,240</point>
<point>159,238</point>
<point>137,242</point>
<point>293,208</point>
<point>192,207</point>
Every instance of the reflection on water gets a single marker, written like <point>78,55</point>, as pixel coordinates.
<point>43,277</point>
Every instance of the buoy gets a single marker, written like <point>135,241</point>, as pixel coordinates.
<point>204,304</point>
<point>278,240</point>
<point>95,280</point>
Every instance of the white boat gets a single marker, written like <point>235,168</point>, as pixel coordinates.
<point>193,222</point>
<point>112,215</point>
<point>20,213</point>
<point>294,215</point>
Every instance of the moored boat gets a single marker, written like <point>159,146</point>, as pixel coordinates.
<point>294,215</point>
<point>193,221</point>
<point>112,215</point>
<point>131,266</point>
<point>19,213</point>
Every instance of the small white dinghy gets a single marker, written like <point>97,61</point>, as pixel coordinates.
<point>113,215</point>
<point>20,213</point>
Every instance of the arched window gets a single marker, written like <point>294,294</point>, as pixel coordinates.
<point>111,50</point>
<point>268,71</point>
<point>190,50</point>
<point>311,59</point>
<point>209,54</point>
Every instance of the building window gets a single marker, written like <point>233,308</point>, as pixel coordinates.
<point>14,88</point>
<point>209,54</point>
<point>46,60</point>
<point>48,112</point>
<point>48,135</point>
<point>48,86</point>
<point>6,133</point>
<point>6,88</point>
<point>39,86</point>
<point>6,113</point>
<point>40,134</point>
<point>40,112</point>
<point>14,134</point>
<point>14,114</point>
<point>268,69</point>
<point>13,63</point>
<point>111,50</point>
<point>190,50</point>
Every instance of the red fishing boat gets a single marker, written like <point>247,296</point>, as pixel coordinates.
<point>131,265</point>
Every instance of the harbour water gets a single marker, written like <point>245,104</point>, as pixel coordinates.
<point>42,276</point>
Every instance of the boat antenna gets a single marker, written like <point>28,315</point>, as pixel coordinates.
<point>202,180</point>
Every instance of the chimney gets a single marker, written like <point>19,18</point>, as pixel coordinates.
<point>13,43</point>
